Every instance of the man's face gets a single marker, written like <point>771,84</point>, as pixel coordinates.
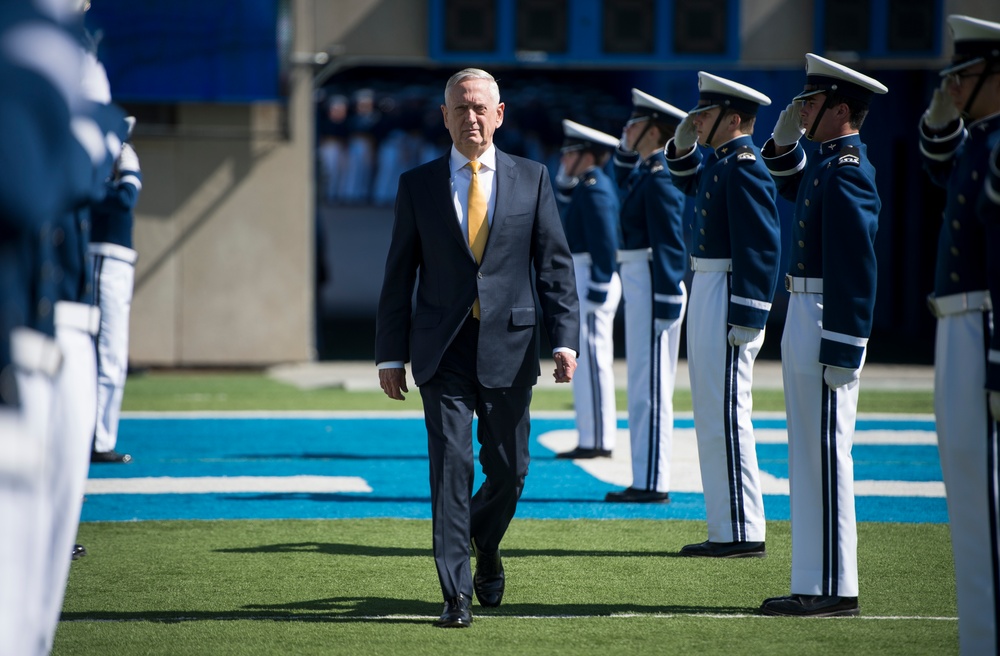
<point>960,85</point>
<point>808,111</point>
<point>703,122</point>
<point>471,116</point>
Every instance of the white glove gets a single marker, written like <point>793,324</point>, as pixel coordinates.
<point>686,135</point>
<point>565,182</point>
<point>995,405</point>
<point>623,144</point>
<point>837,377</point>
<point>788,130</point>
<point>942,110</point>
<point>130,121</point>
<point>661,326</point>
<point>128,160</point>
<point>740,335</point>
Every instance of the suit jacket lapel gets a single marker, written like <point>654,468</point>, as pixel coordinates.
<point>440,191</point>
<point>504,180</point>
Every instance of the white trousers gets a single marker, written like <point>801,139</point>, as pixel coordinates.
<point>73,419</point>
<point>114,276</point>
<point>820,464</point>
<point>594,380</point>
<point>652,374</point>
<point>26,473</point>
<point>721,379</point>
<point>967,443</point>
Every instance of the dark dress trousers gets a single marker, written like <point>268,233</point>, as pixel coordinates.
<point>463,365</point>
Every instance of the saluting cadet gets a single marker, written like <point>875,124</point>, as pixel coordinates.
<point>652,259</point>
<point>588,205</point>
<point>831,277</point>
<point>113,264</point>
<point>736,242</point>
<point>957,132</point>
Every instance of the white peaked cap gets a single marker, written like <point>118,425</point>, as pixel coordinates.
<point>975,40</point>
<point>646,105</point>
<point>826,76</point>
<point>576,133</point>
<point>715,91</point>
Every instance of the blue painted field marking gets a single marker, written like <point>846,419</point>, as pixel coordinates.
<point>389,454</point>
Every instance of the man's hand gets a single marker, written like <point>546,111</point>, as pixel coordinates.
<point>393,383</point>
<point>788,130</point>
<point>942,111</point>
<point>837,377</point>
<point>740,335</point>
<point>995,405</point>
<point>565,366</point>
<point>686,135</point>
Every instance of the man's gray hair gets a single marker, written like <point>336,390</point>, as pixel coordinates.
<point>476,74</point>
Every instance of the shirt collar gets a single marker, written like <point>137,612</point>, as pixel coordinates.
<point>487,159</point>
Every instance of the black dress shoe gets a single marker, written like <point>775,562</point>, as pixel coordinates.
<point>457,613</point>
<point>584,454</point>
<point>635,495</point>
<point>797,605</point>
<point>488,581</point>
<point>708,549</point>
<point>110,456</point>
<point>79,551</point>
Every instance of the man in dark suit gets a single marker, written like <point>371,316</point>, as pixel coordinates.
<point>482,230</point>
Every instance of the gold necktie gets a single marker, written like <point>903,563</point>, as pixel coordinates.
<point>479,227</point>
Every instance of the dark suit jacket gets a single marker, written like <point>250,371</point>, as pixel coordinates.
<point>526,251</point>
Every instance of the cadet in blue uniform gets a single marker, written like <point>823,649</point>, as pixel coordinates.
<point>652,261</point>
<point>113,264</point>
<point>831,277</point>
<point>735,261</point>
<point>957,132</point>
<point>588,205</point>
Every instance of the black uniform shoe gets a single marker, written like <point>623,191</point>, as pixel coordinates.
<point>797,605</point>
<point>457,613</point>
<point>488,581</point>
<point>79,551</point>
<point>708,549</point>
<point>584,454</point>
<point>635,495</point>
<point>110,456</point>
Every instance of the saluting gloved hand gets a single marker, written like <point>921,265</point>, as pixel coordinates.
<point>788,130</point>
<point>942,111</point>
<point>740,335</point>
<point>686,135</point>
<point>995,405</point>
<point>623,144</point>
<point>565,184</point>
<point>127,159</point>
<point>837,377</point>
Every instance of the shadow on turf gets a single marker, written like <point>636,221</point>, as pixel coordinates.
<point>344,549</point>
<point>397,611</point>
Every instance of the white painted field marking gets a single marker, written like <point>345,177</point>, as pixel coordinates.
<point>232,484</point>
<point>685,471</point>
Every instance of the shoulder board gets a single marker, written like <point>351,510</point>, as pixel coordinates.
<point>745,154</point>
<point>590,181</point>
<point>849,156</point>
<point>656,168</point>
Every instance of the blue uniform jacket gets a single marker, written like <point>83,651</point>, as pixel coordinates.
<point>833,237</point>
<point>112,218</point>
<point>590,221</point>
<point>735,217</point>
<point>652,216</point>
<point>984,140</point>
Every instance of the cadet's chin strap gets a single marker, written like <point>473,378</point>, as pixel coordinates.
<point>831,102</point>
<point>723,108</point>
<point>980,81</point>
<point>649,124</point>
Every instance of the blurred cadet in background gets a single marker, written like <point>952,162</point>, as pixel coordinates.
<point>356,178</point>
<point>957,132</point>
<point>831,279</point>
<point>589,207</point>
<point>653,261</point>
<point>331,129</point>
<point>113,264</point>
<point>736,243</point>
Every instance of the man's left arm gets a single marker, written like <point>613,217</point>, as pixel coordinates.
<point>555,280</point>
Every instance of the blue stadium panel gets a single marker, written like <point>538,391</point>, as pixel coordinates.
<point>192,50</point>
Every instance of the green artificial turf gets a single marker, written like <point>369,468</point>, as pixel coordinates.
<point>574,587</point>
